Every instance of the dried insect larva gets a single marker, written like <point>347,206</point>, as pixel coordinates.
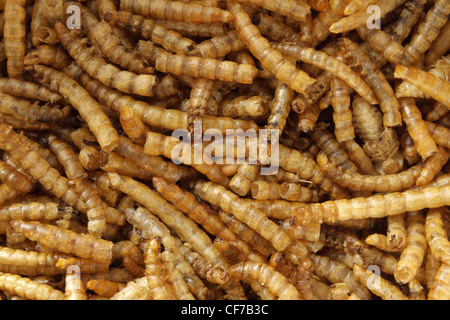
<point>85,265</point>
<point>436,235</point>
<point>388,102</point>
<point>241,182</point>
<point>308,117</point>
<point>177,11</point>
<point>101,35</point>
<point>28,263</point>
<point>15,179</point>
<point>107,10</point>
<point>135,269</point>
<point>417,129</point>
<point>263,190</point>
<point>413,254</point>
<point>29,211</point>
<point>376,183</point>
<point>255,219</point>
<point>149,29</point>
<point>155,272</point>
<point>27,288</point>
<point>79,98</point>
<point>357,19</point>
<point>439,133</point>
<point>48,55</point>
<point>152,227</point>
<point>67,157</point>
<point>280,107</point>
<point>378,285</point>
<point>98,68</point>
<point>74,288</point>
<point>439,288</point>
<point>429,29</point>
<point>270,58</point>
<point>14,37</point>
<point>331,148</point>
<point>340,238</point>
<point>381,144</point>
<point>206,68</point>
<point>26,111</point>
<point>201,214</point>
<point>26,89</point>
<point>432,166</point>
<point>218,46</point>
<point>357,6</point>
<point>438,110</point>
<point>187,29</point>
<point>244,106</point>
<point>383,43</point>
<point>92,159</point>
<point>298,11</point>
<point>337,272</point>
<point>104,288</point>
<point>157,116</point>
<point>342,115</point>
<point>82,245</point>
<point>359,157</point>
<point>198,101</point>
<point>134,290</point>
<point>330,64</point>
<point>436,87</point>
<point>133,126</point>
<point>159,144</point>
<point>439,46</point>
<point>371,207</point>
<point>278,284</point>
<point>297,193</point>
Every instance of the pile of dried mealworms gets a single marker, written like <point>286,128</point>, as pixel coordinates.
<point>105,195</point>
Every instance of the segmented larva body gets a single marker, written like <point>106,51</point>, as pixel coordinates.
<point>241,182</point>
<point>338,272</point>
<point>104,288</point>
<point>85,265</point>
<point>153,165</point>
<point>330,64</point>
<point>280,107</point>
<point>157,116</point>
<point>14,37</point>
<point>189,29</point>
<point>275,29</point>
<point>29,211</point>
<point>98,68</point>
<point>439,288</point>
<point>417,128</point>
<point>50,56</point>
<point>376,183</point>
<point>156,272</point>
<point>159,144</point>
<point>439,46</point>
<point>432,166</point>
<point>82,245</point>
<point>136,289</point>
<point>28,289</point>
<point>74,287</point>
<point>177,11</point>
<point>357,19</point>
<point>133,126</point>
<point>198,101</point>
<point>15,179</point>
<point>357,6</point>
<point>270,58</point>
<point>430,84</point>
<point>299,11</point>
<point>378,285</point>
<point>439,133</point>
<point>31,90</point>
<point>67,157</point>
<point>357,154</point>
<point>332,149</point>
<point>429,29</point>
<point>436,235</point>
<point>101,35</point>
<point>200,213</point>
<point>80,99</point>
<point>28,263</point>
<point>206,68</point>
<point>229,202</point>
<point>383,43</point>
<point>278,284</point>
<point>376,206</point>
<point>342,115</point>
<point>149,29</point>
<point>413,254</point>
